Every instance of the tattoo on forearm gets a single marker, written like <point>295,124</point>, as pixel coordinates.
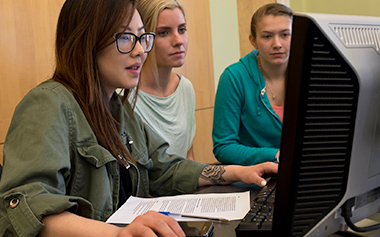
<point>214,174</point>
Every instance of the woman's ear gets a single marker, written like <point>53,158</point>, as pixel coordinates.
<point>253,41</point>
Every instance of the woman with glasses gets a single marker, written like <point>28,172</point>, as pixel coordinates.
<point>166,100</point>
<point>250,97</point>
<point>75,152</point>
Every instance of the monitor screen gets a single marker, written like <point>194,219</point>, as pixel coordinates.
<point>330,145</point>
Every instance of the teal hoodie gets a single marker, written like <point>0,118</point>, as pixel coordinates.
<point>246,129</point>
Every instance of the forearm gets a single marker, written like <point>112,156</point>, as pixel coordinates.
<point>220,175</point>
<point>151,223</point>
<point>226,174</point>
<point>68,224</point>
<point>234,153</point>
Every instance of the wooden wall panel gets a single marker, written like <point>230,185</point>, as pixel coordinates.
<point>27,32</point>
<point>198,67</point>
<point>203,140</point>
<point>246,8</point>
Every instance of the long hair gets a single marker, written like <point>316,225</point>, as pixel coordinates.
<point>149,11</point>
<point>84,28</point>
<point>274,9</point>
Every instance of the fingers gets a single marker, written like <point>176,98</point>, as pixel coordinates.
<point>172,224</point>
<point>266,169</point>
<point>256,174</point>
<point>270,168</point>
<point>263,183</point>
<point>152,224</point>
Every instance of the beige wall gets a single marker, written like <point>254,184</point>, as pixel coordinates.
<point>345,7</point>
<point>225,35</point>
<point>230,24</point>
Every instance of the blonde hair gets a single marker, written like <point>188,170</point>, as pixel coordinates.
<point>149,11</point>
<point>274,9</point>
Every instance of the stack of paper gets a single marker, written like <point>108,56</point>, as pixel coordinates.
<point>229,206</point>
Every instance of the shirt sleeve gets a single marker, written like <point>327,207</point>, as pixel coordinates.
<point>169,174</point>
<point>191,112</point>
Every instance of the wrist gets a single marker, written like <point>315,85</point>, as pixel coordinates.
<point>232,173</point>
<point>238,172</point>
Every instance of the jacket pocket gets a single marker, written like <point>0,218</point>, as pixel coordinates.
<point>97,179</point>
<point>95,154</point>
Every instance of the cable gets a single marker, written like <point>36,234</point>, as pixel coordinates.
<point>346,213</point>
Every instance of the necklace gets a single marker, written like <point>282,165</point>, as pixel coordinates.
<point>266,83</point>
<point>273,95</point>
<point>259,66</point>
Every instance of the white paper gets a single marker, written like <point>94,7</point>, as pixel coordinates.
<point>230,206</point>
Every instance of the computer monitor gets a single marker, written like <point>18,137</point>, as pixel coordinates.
<point>330,145</point>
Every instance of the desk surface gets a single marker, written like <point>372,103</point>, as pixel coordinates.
<point>223,229</point>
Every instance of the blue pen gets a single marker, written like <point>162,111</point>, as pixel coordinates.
<point>164,212</point>
<point>190,216</point>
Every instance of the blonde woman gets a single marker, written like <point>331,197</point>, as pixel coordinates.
<point>166,100</point>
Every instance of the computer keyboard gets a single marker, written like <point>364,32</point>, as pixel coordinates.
<point>259,219</point>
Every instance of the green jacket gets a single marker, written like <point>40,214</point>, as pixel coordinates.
<point>53,162</point>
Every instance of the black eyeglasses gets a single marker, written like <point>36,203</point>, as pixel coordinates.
<point>126,42</point>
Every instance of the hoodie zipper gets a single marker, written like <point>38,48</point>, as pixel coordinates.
<point>263,91</point>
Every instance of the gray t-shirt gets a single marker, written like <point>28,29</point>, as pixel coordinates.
<point>172,117</point>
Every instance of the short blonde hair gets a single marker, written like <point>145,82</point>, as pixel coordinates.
<point>149,11</point>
